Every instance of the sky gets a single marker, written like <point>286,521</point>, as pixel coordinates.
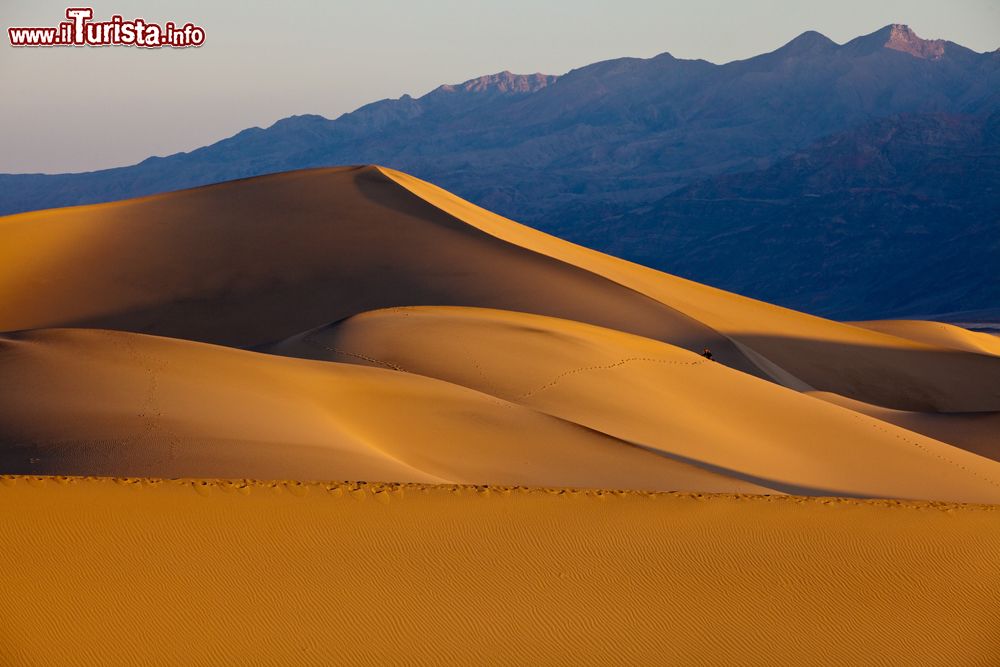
<point>84,108</point>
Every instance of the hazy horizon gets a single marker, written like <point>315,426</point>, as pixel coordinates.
<point>128,104</point>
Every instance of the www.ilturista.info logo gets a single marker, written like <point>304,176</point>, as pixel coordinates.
<point>79,30</point>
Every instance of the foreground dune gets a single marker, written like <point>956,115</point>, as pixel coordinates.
<point>112,403</point>
<point>101,572</point>
<point>661,397</point>
<point>510,398</point>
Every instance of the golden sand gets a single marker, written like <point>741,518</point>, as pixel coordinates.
<point>106,572</point>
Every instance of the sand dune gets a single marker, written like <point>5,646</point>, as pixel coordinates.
<point>79,402</point>
<point>255,261</point>
<point>348,240</point>
<point>658,396</point>
<point>101,572</point>
<point>577,369</point>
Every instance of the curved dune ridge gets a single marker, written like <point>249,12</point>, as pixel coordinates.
<point>658,396</point>
<point>114,403</point>
<point>444,343</point>
<point>101,571</point>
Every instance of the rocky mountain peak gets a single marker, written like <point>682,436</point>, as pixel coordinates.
<point>902,38</point>
<point>505,83</point>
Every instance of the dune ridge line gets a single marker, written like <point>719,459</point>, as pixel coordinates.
<point>398,491</point>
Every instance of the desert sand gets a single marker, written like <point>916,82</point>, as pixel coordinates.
<point>556,364</point>
<point>369,341</point>
<point>102,572</point>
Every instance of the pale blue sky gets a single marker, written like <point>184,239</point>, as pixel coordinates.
<point>76,109</point>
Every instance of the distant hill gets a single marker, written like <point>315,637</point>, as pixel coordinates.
<point>614,154</point>
<point>899,216</point>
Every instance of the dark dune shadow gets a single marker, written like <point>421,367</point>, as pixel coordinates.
<point>921,380</point>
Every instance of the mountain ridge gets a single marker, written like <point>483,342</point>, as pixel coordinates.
<point>508,82</point>
<point>563,153</point>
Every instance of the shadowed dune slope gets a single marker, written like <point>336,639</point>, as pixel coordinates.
<point>937,333</point>
<point>103,572</point>
<point>255,261</point>
<point>977,432</point>
<point>661,397</point>
<point>81,402</point>
<point>806,351</point>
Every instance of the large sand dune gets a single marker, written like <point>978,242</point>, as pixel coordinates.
<point>977,432</point>
<point>255,261</point>
<point>102,572</point>
<point>532,361</point>
<point>258,260</point>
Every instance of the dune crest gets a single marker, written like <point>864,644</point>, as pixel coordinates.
<point>976,432</point>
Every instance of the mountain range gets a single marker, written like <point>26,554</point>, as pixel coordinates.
<point>841,179</point>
